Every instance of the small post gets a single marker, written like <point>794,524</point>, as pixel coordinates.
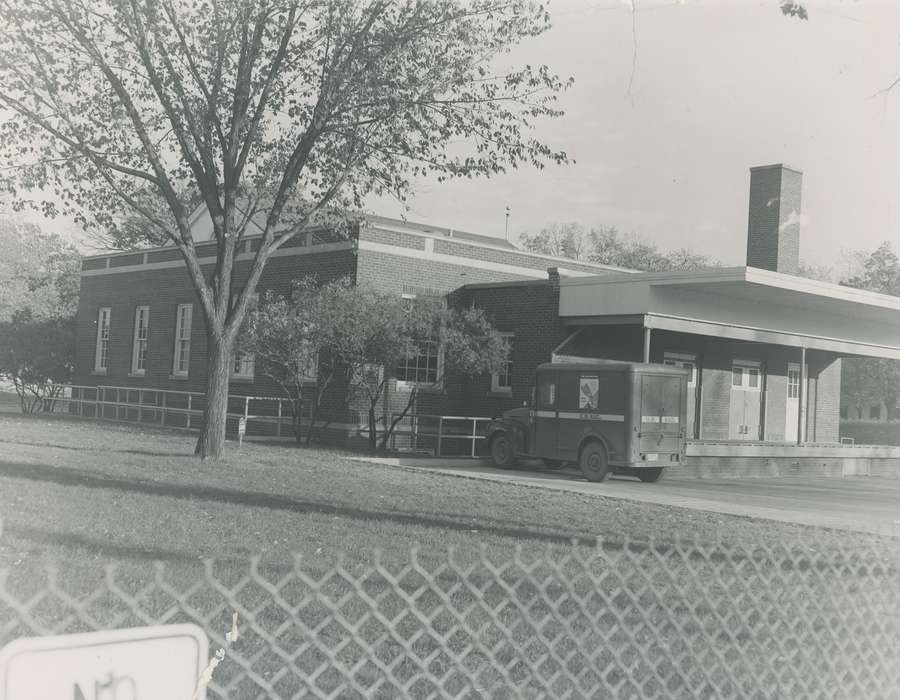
<point>278,424</point>
<point>474,434</point>
<point>440,436</point>
<point>141,403</point>
<point>162,414</point>
<point>801,404</point>
<point>647,330</point>
<point>242,429</point>
<point>188,426</point>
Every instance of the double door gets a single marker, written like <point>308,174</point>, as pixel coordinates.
<point>747,392</point>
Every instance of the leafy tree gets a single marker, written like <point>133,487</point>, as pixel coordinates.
<point>39,282</point>
<point>367,334</point>
<point>287,337</point>
<point>37,357</point>
<point>276,113</point>
<point>40,273</point>
<point>868,381</point>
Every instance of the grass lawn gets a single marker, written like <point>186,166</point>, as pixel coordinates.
<point>89,493</point>
<point>80,489</point>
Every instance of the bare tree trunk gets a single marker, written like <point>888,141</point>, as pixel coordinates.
<point>298,413</point>
<point>390,430</point>
<point>373,429</point>
<point>211,444</point>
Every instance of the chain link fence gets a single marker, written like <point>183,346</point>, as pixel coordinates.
<point>625,619</point>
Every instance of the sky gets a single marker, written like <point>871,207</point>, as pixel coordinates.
<point>718,87</point>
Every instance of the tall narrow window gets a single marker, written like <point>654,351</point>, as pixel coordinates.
<point>501,382</point>
<point>101,354</point>
<point>243,364</point>
<point>141,331</point>
<point>182,354</point>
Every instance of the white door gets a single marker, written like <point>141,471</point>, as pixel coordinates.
<point>746,401</point>
<point>792,402</point>
<point>687,362</point>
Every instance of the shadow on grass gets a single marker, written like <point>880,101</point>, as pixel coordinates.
<point>96,546</point>
<point>105,449</point>
<point>256,499</point>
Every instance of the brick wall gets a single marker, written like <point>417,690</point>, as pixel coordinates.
<point>773,234</point>
<point>163,290</point>
<point>392,273</point>
<point>531,312</point>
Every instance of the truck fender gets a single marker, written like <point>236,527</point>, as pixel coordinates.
<point>593,437</point>
<point>513,430</point>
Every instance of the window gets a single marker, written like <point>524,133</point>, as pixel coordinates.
<point>689,362</point>
<point>424,361</point>
<point>793,383</point>
<point>141,331</point>
<point>746,375</point>
<point>243,364</point>
<point>422,365</point>
<point>501,381</point>
<point>753,377</point>
<point>182,353</point>
<point>101,354</point>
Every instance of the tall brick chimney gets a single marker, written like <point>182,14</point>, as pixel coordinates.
<point>773,228</point>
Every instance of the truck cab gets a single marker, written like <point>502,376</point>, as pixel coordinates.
<point>605,416</point>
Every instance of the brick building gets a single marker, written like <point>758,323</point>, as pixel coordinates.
<point>764,345</point>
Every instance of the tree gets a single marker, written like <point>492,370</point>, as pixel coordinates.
<point>39,282</point>
<point>287,337</point>
<point>867,381</point>
<point>367,334</point>
<point>276,113</point>
<point>564,240</point>
<point>607,246</point>
<point>37,356</point>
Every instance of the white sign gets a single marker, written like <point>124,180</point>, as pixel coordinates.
<point>143,663</point>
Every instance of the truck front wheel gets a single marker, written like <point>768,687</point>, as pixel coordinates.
<point>502,452</point>
<point>594,462</point>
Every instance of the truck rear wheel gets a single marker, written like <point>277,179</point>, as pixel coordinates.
<point>650,474</point>
<point>594,462</point>
<point>502,452</point>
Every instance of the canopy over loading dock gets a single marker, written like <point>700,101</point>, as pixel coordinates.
<point>767,322</point>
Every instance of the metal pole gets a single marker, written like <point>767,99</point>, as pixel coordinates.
<point>278,425</point>
<point>440,435</point>
<point>162,414</point>
<point>188,426</point>
<point>801,405</point>
<point>140,405</point>
<point>647,330</point>
<point>474,434</point>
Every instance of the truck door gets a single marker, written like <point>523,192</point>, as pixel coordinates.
<point>661,400</point>
<point>546,415</point>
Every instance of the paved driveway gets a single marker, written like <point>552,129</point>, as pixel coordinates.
<point>853,503</point>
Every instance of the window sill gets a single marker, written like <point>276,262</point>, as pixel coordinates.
<point>422,387</point>
<point>137,375</point>
<point>499,393</point>
<point>179,377</point>
<point>99,372</point>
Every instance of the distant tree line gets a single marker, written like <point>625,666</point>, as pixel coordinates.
<point>607,245</point>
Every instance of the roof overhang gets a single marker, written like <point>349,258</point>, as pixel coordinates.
<point>741,303</point>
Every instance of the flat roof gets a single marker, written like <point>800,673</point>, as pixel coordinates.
<point>741,303</point>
